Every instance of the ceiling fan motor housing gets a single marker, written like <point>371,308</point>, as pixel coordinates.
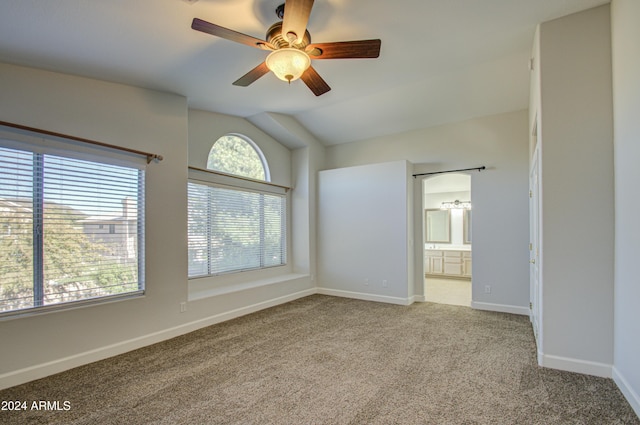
<point>274,36</point>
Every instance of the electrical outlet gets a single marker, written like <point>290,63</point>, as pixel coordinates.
<point>183,307</point>
<point>366,282</point>
<point>384,283</point>
<point>487,289</point>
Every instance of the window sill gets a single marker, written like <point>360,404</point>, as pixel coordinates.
<point>70,305</point>
<point>205,288</point>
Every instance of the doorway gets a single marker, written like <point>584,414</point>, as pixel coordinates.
<point>446,206</point>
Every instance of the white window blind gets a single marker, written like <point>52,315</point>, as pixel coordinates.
<point>233,229</point>
<point>71,229</point>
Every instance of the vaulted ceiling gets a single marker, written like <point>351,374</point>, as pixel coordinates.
<point>441,61</point>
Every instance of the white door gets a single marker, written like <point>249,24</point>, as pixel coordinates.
<point>534,248</point>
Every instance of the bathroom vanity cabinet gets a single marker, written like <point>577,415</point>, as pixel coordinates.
<point>450,263</point>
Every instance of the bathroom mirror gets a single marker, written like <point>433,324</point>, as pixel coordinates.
<point>437,225</point>
<point>466,219</point>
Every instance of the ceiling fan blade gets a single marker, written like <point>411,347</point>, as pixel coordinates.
<point>296,17</point>
<point>226,33</point>
<point>252,75</point>
<point>345,49</point>
<point>314,81</point>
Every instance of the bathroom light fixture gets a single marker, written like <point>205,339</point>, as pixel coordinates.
<point>288,64</point>
<point>466,205</point>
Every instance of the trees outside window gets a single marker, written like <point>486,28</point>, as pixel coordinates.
<point>54,247</point>
<point>233,154</point>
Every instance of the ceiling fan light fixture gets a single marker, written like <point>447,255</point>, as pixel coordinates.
<point>288,64</point>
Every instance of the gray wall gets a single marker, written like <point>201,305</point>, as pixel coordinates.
<point>364,232</point>
<point>499,196</point>
<point>625,16</point>
<point>576,137</point>
<point>123,116</point>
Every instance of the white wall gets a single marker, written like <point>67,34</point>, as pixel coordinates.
<point>41,344</point>
<point>206,127</point>
<point>625,15</point>
<point>306,163</point>
<point>575,127</point>
<point>499,196</point>
<point>363,232</point>
<point>296,168</point>
<point>123,116</point>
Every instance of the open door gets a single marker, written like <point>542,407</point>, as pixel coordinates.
<point>534,248</point>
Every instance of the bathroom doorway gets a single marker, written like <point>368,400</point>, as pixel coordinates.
<point>447,254</point>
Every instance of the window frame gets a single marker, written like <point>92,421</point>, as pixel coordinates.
<point>256,149</point>
<point>218,179</point>
<point>225,179</point>
<point>42,143</point>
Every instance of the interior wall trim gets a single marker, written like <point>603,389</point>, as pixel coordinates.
<point>501,308</point>
<point>365,296</point>
<point>632,397</point>
<point>569,364</point>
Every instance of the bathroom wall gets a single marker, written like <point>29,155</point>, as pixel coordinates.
<point>434,201</point>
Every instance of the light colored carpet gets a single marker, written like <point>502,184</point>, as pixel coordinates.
<point>327,360</point>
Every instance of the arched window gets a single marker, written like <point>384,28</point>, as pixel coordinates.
<point>238,155</point>
<point>235,224</point>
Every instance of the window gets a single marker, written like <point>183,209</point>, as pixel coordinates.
<point>235,224</point>
<point>53,204</point>
<point>233,154</point>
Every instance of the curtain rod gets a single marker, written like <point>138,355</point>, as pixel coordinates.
<point>150,156</point>
<point>450,171</point>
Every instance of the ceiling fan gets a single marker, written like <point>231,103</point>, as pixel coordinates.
<point>291,47</point>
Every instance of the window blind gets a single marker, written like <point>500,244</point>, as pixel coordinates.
<point>231,229</point>
<point>70,229</point>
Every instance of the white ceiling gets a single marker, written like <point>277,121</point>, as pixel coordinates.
<point>441,60</point>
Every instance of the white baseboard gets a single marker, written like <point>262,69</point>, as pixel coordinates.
<point>365,297</point>
<point>420,298</point>
<point>632,397</point>
<point>501,308</point>
<point>576,365</point>
<point>31,373</point>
